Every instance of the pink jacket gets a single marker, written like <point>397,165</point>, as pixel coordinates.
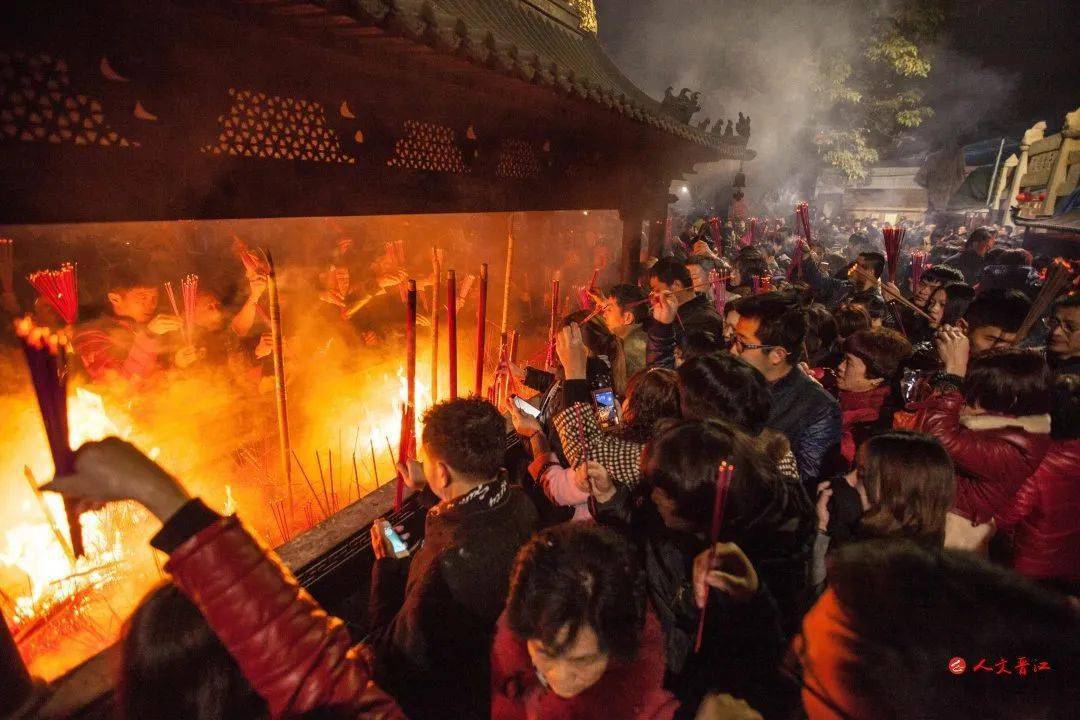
<point>558,484</point>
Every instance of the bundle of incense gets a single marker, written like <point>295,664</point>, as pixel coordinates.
<point>46,358</point>
<point>189,287</point>
<point>714,227</point>
<point>585,294</point>
<point>253,264</point>
<point>175,308</point>
<point>796,259</point>
<point>553,322</point>
<point>723,484</point>
<point>802,211</point>
<point>59,288</point>
<point>892,296</point>
<point>894,240</point>
<point>481,331</point>
<point>719,288</point>
<point>1058,278</point>
<point>918,266</point>
<point>7,265</point>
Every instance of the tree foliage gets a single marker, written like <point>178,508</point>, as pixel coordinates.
<point>870,90</point>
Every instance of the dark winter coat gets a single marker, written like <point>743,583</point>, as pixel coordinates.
<point>432,638</point>
<point>810,417</point>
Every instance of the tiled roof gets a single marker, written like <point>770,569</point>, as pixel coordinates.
<point>513,37</point>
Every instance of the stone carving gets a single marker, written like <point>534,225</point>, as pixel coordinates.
<point>682,107</point>
<point>704,125</point>
<point>1034,134</point>
<point>742,127</point>
<point>1072,124</point>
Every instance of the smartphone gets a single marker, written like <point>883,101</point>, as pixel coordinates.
<point>397,544</point>
<point>525,407</point>
<point>607,408</point>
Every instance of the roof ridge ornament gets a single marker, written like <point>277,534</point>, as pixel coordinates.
<point>683,106</point>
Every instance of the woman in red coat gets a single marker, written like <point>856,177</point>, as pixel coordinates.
<point>294,655</point>
<point>576,639</point>
<point>1045,512</point>
<point>997,429</point>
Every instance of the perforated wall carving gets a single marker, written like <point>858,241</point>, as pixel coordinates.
<point>277,128</point>
<point>38,104</point>
<point>517,159</point>
<point>427,146</point>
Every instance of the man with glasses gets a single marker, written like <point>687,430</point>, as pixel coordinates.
<point>770,334</point>
<point>1063,345</point>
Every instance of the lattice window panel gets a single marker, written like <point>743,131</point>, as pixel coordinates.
<point>275,127</point>
<point>427,146</point>
<point>517,159</point>
<point>38,104</point>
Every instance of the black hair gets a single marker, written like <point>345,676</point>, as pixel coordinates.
<point>124,277</point>
<point>876,259</point>
<point>851,318</point>
<point>750,264</point>
<point>943,275</point>
<point>577,574</point>
<point>174,667</point>
<point>821,329</point>
<point>911,609</point>
<point>696,343</point>
<point>1065,411</point>
<point>1015,257</point>
<point>683,462</point>
<point>1009,381</point>
<point>782,323</point>
<point>652,397</point>
<point>630,298</point>
<point>881,350</point>
<point>467,434</point>
<point>1068,300</point>
<point>958,297</point>
<point>724,387</point>
<point>669,270</point>
<point>979,235</point>
<point>1005,309</point>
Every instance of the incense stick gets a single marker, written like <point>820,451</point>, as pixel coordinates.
<point>723,483</point>
<point>1058,277</point>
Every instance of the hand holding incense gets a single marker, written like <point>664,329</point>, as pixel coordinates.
<point>723,483</point>
<point>481,330</point>
<point>190,289</point>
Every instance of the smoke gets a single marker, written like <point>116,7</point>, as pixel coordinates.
<point>760,58</point>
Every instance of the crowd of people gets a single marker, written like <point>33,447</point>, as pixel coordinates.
<point>814,500</point>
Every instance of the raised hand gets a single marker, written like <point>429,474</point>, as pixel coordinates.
<point>953,347</point>
<point>592,478</point>
<point>572,353</point>
<point>824,492</point>
<point>116,470</point>
<point>664,307</point>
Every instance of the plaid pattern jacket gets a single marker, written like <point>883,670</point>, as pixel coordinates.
<point>582,439</point>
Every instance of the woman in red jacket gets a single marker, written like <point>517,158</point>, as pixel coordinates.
<point>1046,509</point>
<point>295,656</point>
<point>997,429</point>
<point>576,639</point>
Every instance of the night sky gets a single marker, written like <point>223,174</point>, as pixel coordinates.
<point>1006,65</point>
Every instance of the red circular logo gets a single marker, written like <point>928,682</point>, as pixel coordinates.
<point>957,666</point>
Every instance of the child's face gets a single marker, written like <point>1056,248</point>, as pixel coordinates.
<point>138,303</point>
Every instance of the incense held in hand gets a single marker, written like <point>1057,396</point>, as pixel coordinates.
<point>481,330</point>
<point>723,483</point>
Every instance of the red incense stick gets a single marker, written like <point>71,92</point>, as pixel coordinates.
<point>59,288</point>
<point>723,483</point>
<point>481,330</point>
<point>553,324</point>
<point>451,331</point>
<point>410,347</point>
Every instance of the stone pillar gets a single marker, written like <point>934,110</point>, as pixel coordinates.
<point>1034,133</point>
<point>1008,166</point>
<point>1070,143</point>
<point>631,244</point>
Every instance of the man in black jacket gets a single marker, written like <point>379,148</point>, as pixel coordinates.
<point>432,632</point>
<point>770,336</point>
<point>972,259</point>
<point>695,318</point>
<point>861,288</point>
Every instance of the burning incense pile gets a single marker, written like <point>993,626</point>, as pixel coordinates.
<point>60,288</point>
<point>894,240</point>
<point>46,357</point>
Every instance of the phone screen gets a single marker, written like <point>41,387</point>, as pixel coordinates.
<point>607,408</point>
<point>525,407</point>
<point>397,544</point>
